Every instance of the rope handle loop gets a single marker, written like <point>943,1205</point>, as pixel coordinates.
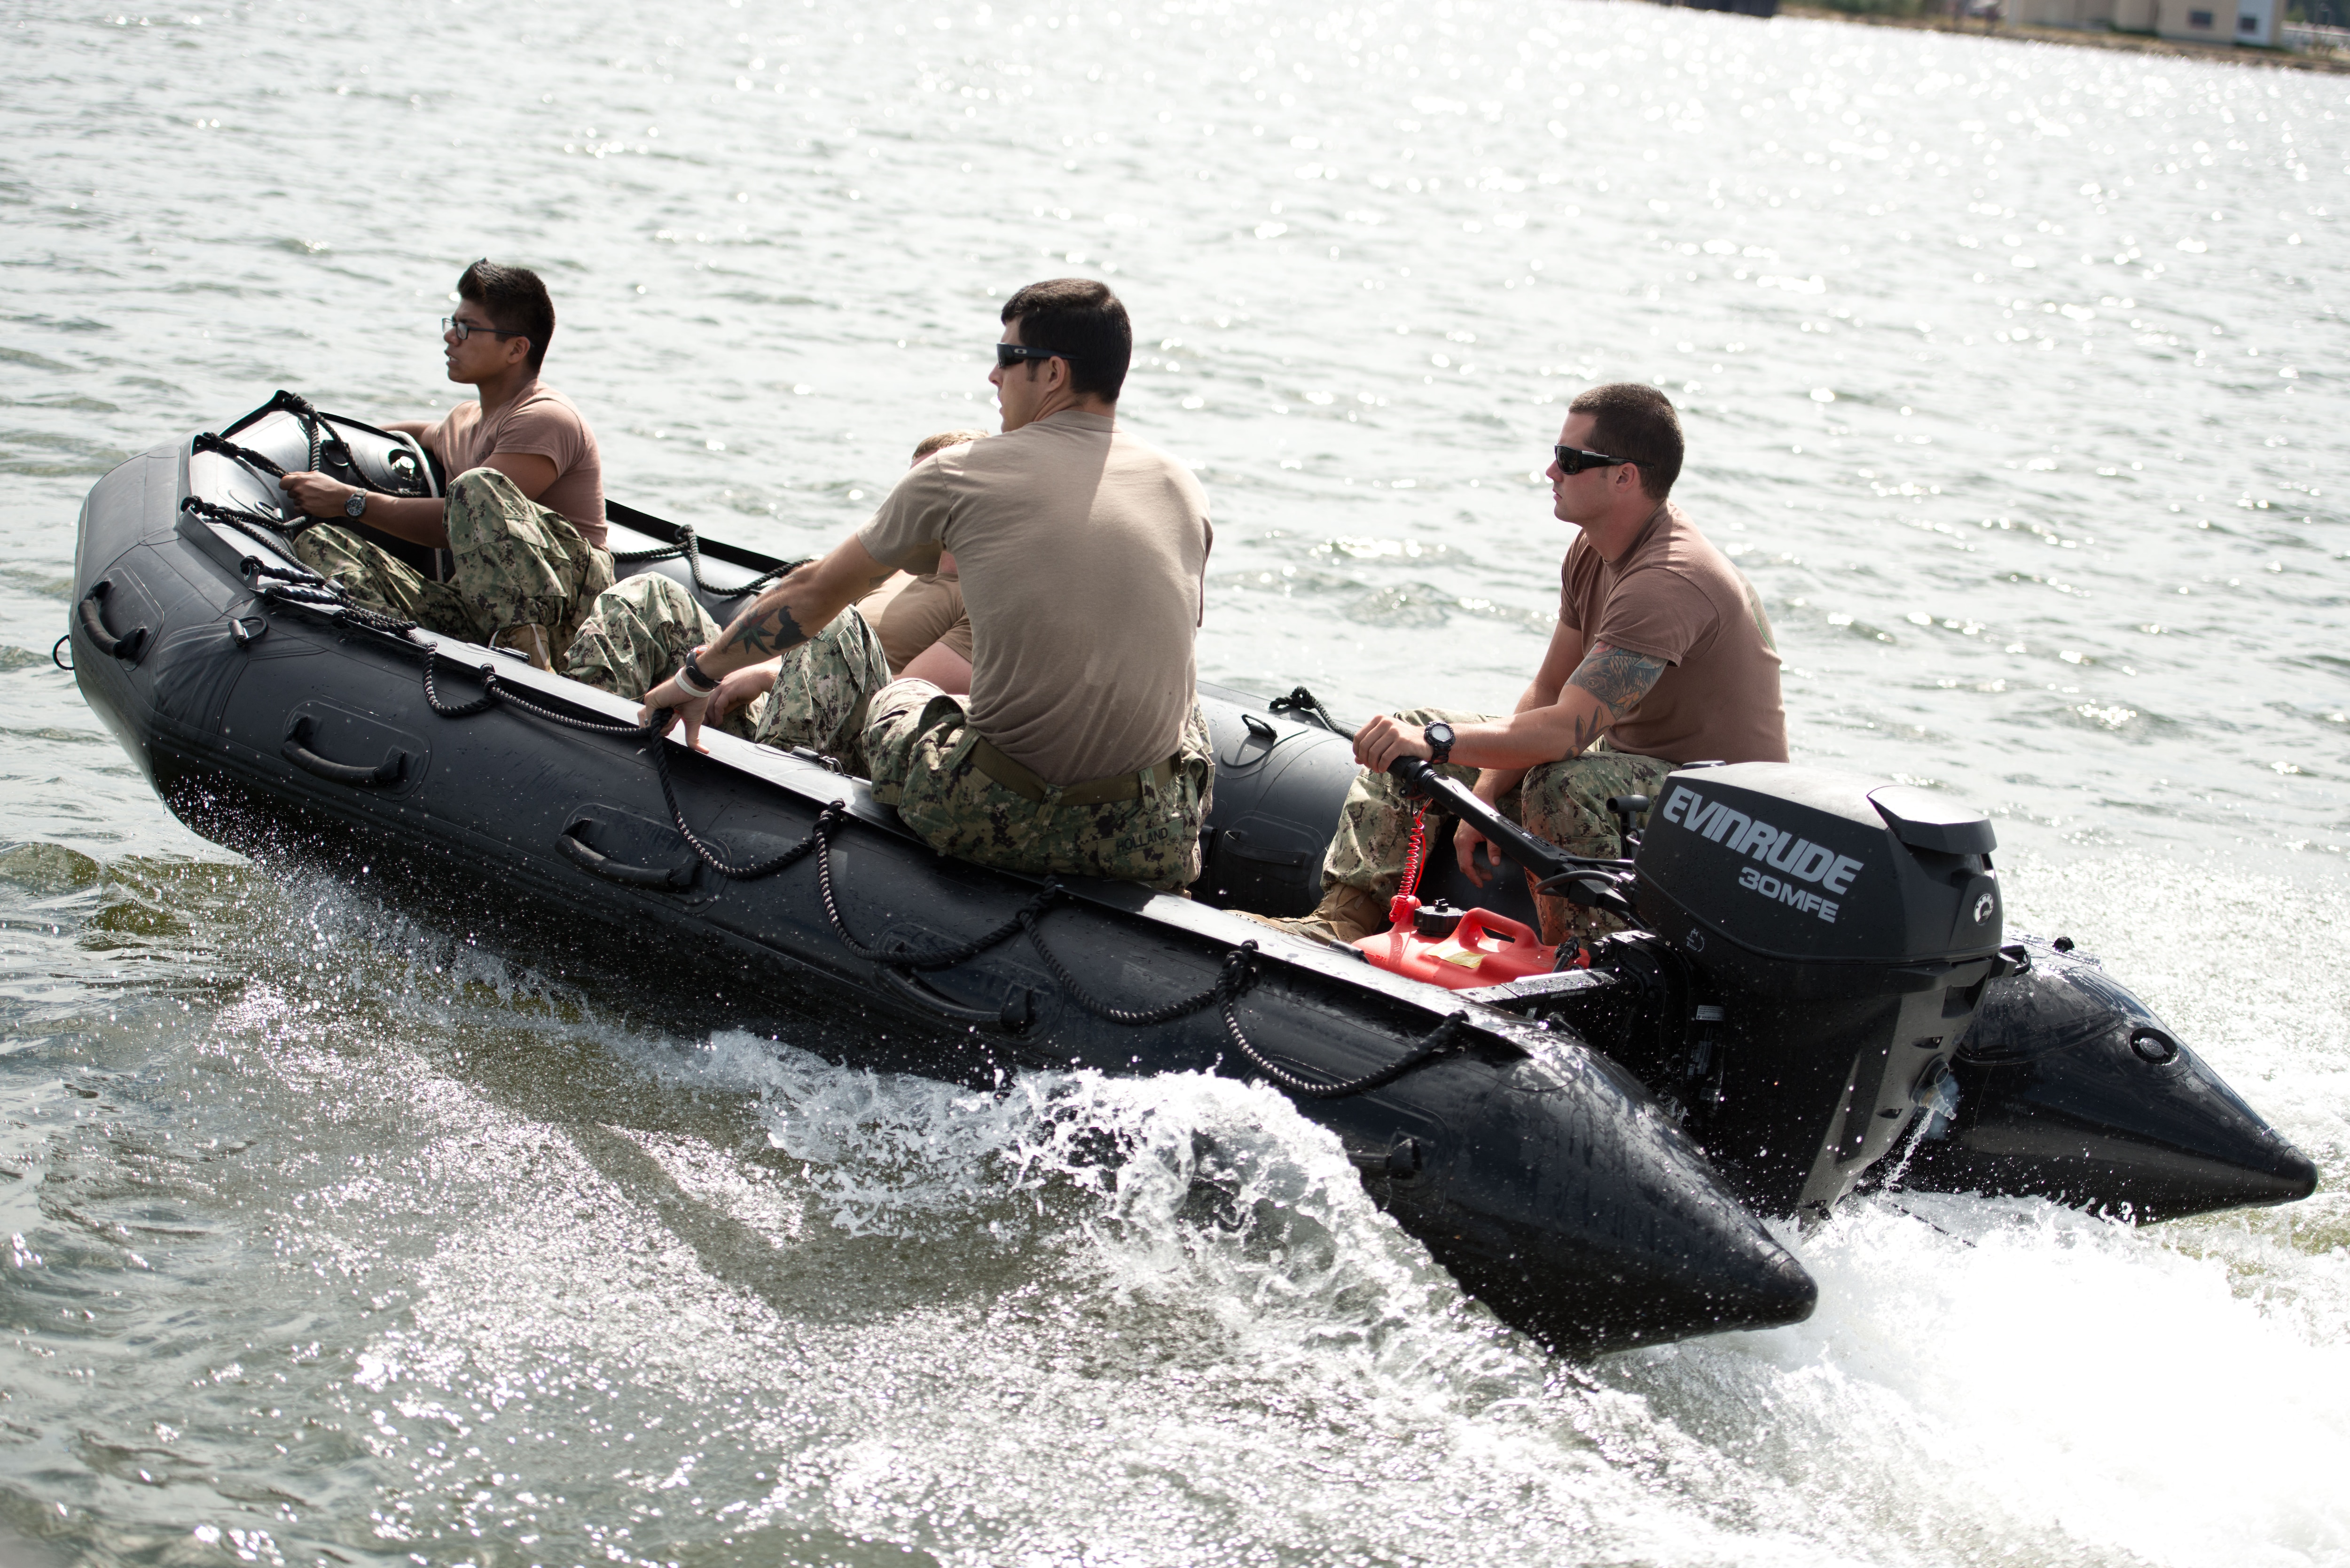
<point>1441,1041</point>
<point>689,544</point>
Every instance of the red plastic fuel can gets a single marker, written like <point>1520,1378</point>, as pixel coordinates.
<point>1481,949</point>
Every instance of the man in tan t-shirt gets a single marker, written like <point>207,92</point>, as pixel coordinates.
<point>924,628</point>
<point>1083,557</point>
<point>812,695</point>
<point>1661,656</point>
<point>523,520</point>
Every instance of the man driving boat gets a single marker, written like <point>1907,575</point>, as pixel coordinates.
<point>524,516</point>
<point>1661,656</point>
<point>1082,554</point>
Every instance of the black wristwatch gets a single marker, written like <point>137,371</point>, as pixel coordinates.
<point>354,504</point>
<point>1440,743</point>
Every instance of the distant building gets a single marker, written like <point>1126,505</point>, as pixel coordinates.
<point>2218,21</point>
<point>2068,13</point>
<point>2194,21</point>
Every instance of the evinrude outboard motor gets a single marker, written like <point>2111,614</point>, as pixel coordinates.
<point>1828,939</point>
<point>1796,998</point>
<point>1817,945</point>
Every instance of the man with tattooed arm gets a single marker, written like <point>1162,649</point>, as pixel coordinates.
<point>1661,656</point>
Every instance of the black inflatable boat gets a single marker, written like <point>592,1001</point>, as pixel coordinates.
<point>1587,1150</point>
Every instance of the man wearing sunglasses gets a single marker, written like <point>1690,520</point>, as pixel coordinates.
<point>523,520</point>
<point>1661,655</point>
<point>1082,553</point>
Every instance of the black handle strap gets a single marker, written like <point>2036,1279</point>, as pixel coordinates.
<point>295,750</point>
<point>126,648</point>
<point>667,878</point>
<point>1011,1018</point>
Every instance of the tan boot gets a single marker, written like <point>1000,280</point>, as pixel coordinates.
<point>1345,916</point>
<point>529,640</point>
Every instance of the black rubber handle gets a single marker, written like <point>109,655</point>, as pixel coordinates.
<point>390,771</point>
<point>1511,841</point>
<point>1011,1018</point>
<point>612,870</point>
<point>125,648</point>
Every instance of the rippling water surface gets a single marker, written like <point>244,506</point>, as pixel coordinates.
<point>2013,378</point>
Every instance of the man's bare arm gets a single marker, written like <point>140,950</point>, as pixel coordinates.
<point>1606,689</point>
<point>1559,660</point>
<point>778,620</point>
<point>419,519</point>
<point>1620,679</point>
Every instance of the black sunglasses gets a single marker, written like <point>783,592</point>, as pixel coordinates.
<point>1010,354</point>
<point>464,329</point>
<point>1574,460</point>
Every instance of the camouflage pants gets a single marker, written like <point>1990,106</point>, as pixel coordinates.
<point>638,631</point>
<point>1565,803</point>
<point>920,741</point>
<point>517,564</point>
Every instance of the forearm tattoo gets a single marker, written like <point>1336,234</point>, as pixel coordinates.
<point>763,629</point>
<point>1617,679</point>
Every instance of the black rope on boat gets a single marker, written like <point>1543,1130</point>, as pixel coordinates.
<point>325,449</point>
<point>1441,1041</point>
<point>1301,701</point>
<point>260,463</point>
<point>708,855</point>
<point>482,704</point>
<point>311,591</point>
<point>278,533</point>
<point>1232,981</point>
<point>944,957</point>
<point>494,692</point>
<point>1239,970</point>
<point>690,546</point>
<point>288,402</point>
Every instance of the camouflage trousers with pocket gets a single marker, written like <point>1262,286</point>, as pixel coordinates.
<point>517,564</point>
<point>638,631</point>
<point>920,742</point>
<point>1564,803</point>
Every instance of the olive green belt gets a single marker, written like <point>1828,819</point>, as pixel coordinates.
<point>1024,781</point>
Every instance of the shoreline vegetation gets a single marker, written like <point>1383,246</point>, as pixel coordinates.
<point>2078,38</point>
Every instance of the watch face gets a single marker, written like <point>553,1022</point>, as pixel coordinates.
<point>1440,736</point>
<point>356,504</point>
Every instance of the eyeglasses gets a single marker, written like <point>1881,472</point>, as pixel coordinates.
<point>464,329</point>
<point>1010,354</point>
<point>1574,460</point>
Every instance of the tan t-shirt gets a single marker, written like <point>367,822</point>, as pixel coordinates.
<point>1672,596</point>
<point>1083,554</point>
<point>540,422</point>
<point>927,610</point>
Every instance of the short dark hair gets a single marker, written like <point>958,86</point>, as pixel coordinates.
<point>943,439</point>
<point>1081,319</point>
<point>514,300</point>
<point>1633,421</point>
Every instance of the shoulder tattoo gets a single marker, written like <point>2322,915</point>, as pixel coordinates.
<point>1618,678</point>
